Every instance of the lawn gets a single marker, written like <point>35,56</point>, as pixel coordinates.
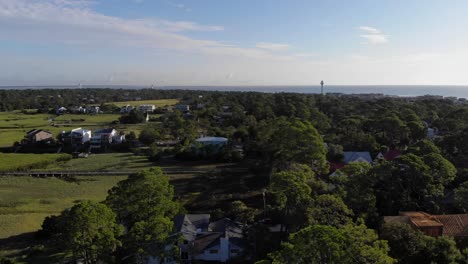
<point>104,162</point>
<point>26,201</point>
<point>14,125</point>
<point>13,162</point>
<point>157,103</point>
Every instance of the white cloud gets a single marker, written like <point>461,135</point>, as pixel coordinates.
<point>370,30</point>
<point>375,39</point>
<point>67,21</point>
<point>373,36</point>
<point>178,26</point>
<point>272,46</point>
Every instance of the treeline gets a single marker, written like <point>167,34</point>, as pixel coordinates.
<point>53,98</point>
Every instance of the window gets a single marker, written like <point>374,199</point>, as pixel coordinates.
<point>213,251</point>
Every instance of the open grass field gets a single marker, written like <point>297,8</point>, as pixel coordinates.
<point>13,162</point>
<point>14,125</point>
<point>104,162</point>
<point>26,201</point>
<point>157,103</point>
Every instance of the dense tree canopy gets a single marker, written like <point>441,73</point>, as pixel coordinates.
<point>145,204</point>
<point>283,142</point>
<point>327,244</point>
<point>329,210</point>
<point>461,197</point>
<point>292,195</point>
<point>412,246</point>
<point>91,232</point>
<point>288,137</point>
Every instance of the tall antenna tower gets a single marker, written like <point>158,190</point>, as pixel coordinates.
<point>321,84</point>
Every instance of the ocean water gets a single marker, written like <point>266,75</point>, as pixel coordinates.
<point>398,90</point>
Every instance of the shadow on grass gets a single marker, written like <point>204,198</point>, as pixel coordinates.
<point>27,248</point>
<point>219,189</point>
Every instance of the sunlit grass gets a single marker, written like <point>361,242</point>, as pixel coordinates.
<point>14,125</point>
<point>13,162</point>
<point>26,201</point>
<point>104,162</point>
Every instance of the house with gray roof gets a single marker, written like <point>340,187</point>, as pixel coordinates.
<point>204,240</point>
<point>357,156</point>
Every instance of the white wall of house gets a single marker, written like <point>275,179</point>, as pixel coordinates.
<point>221,252</point>
<point>86,134</point>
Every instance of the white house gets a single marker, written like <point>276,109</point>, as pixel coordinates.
<point>102,137</point>
<point>146,108</point>
<point>78,110</point>
<point>182,107</point>
<point>95,142</point>
<point>106,133</point>
<point>92,109</point>
<point>118,138</point>
<point>84,134</point>
<point>223,242</point>
<point>126,109</point>
<point>60,110</point>
<point>203,240</point>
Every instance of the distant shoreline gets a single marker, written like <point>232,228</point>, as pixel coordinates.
<point>460,91</point>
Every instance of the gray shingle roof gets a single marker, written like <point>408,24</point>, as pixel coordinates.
<point>357,156</point>
<point>188,224</point>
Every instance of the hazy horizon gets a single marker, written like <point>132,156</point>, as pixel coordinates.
<point>392,90</point>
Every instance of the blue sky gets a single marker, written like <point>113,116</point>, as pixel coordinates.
<point>220,42</point>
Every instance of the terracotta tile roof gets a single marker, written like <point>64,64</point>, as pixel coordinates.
<point>425,222</point>
<point>415,214</point>
<point>392,154</point>
<point>336,166</point>
<point>454,225</point>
